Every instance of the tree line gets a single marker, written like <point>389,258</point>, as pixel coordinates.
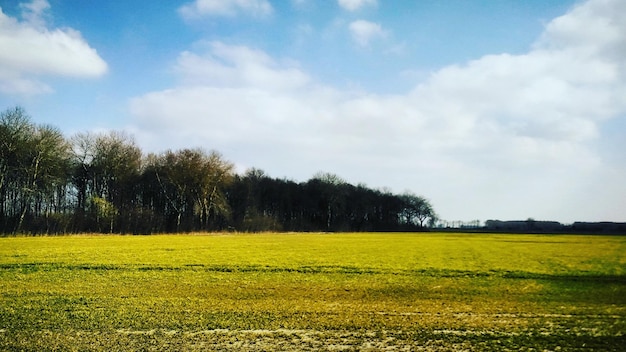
<point>50,184</point>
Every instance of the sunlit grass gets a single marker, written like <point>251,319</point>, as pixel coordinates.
<point>477,291</point>
<point>478,253</point>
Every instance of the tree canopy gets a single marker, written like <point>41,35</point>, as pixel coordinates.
<point>105,183</point>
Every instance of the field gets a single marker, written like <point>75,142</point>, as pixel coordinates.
<point>313,292</point>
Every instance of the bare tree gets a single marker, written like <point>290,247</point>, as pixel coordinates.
<point>193,182</point>
<point>417,210</point>
<point>106,170</point>
<point>34,163</point>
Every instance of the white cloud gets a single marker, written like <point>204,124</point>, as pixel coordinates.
<point>34,12</point>
<point>228,8</point>
<point>237,66</point>
<point>353,5</point>
<point>591,28</point>
<point>501,136</point>
<point>363,32</point>
<point>28,50</point>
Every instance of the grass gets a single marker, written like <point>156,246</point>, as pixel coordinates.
<point>313,292</point>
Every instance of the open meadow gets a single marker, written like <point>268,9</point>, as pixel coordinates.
<point>383,291</point>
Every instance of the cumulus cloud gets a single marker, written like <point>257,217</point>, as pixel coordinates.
<point>228,8</point>
<point>237,66</point>
<point>503,130</point>
<point>354,5</point>
<point>34,12</point>
<point>589,29</point>
<point>28,50</point>
<point>363,32</point>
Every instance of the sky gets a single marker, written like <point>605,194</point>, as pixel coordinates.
<point>501,109</point>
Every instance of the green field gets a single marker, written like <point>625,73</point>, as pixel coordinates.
<point>313,292</point>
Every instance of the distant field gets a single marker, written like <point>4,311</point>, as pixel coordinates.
<point>313,292</point>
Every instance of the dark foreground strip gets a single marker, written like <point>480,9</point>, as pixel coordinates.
<point>306,340</point>
<point>444,273</point>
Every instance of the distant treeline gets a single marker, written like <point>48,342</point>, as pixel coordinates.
<point>534,226</point>
<point>105,183</point>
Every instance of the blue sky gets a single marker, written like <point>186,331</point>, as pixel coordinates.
<point>491,109</point>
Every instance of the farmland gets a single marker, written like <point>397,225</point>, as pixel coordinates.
<point>347,291</point>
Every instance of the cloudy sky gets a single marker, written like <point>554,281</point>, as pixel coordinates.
<point>491,109</point>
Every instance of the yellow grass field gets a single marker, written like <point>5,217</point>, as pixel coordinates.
<point>362,291</point>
